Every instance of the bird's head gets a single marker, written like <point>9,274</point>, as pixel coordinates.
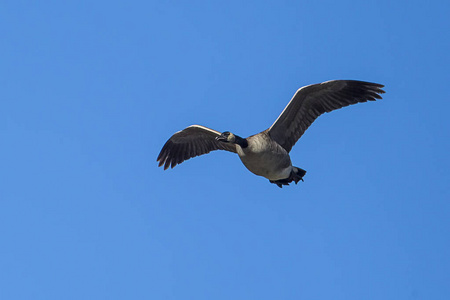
<point>226,137</point>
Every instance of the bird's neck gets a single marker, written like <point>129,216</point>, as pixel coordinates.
<point>241,142</point>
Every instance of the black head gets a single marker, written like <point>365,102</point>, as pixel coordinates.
<point>226,137</point>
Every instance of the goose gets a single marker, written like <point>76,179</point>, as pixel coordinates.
<point>266,154</point>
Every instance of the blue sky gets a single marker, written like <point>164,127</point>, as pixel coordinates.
<point>91,90</point>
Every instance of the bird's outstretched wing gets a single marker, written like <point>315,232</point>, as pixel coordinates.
<point>190,142</point>
<point>311,101</point>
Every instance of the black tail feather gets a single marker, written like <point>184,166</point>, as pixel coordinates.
<point>296,175</point>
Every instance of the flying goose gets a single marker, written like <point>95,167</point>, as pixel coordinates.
<point>267,153</point>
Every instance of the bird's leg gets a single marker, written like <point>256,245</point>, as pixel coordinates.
<point>281,182</point>
<point>297,175</point>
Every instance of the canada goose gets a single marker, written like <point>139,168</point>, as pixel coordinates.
<point>267,153</point>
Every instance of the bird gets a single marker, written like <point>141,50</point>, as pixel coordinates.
<point>266,154</point>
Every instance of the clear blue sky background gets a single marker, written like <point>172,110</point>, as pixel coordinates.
<point>91,90</point>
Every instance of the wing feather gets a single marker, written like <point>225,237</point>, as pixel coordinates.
<point>190,142</point>
<point>311,101</point>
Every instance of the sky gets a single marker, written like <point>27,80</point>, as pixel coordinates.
<point>91,91</point>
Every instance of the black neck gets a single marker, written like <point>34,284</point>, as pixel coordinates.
<point>241,142</point>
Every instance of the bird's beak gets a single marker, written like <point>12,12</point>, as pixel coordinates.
<point>221,138</point>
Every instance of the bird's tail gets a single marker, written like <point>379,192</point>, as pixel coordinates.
<point>297,174</point>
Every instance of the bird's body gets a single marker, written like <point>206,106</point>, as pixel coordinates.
<point>267,153</point>
<point>265,158</point>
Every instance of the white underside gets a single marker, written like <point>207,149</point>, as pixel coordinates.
<point>266,164</point>
<point>283,174</point>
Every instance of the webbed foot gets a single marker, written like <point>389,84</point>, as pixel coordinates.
<point>296,175</point>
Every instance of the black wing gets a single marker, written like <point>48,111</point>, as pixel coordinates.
<point>190,142</point>
<point>311,101</point>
